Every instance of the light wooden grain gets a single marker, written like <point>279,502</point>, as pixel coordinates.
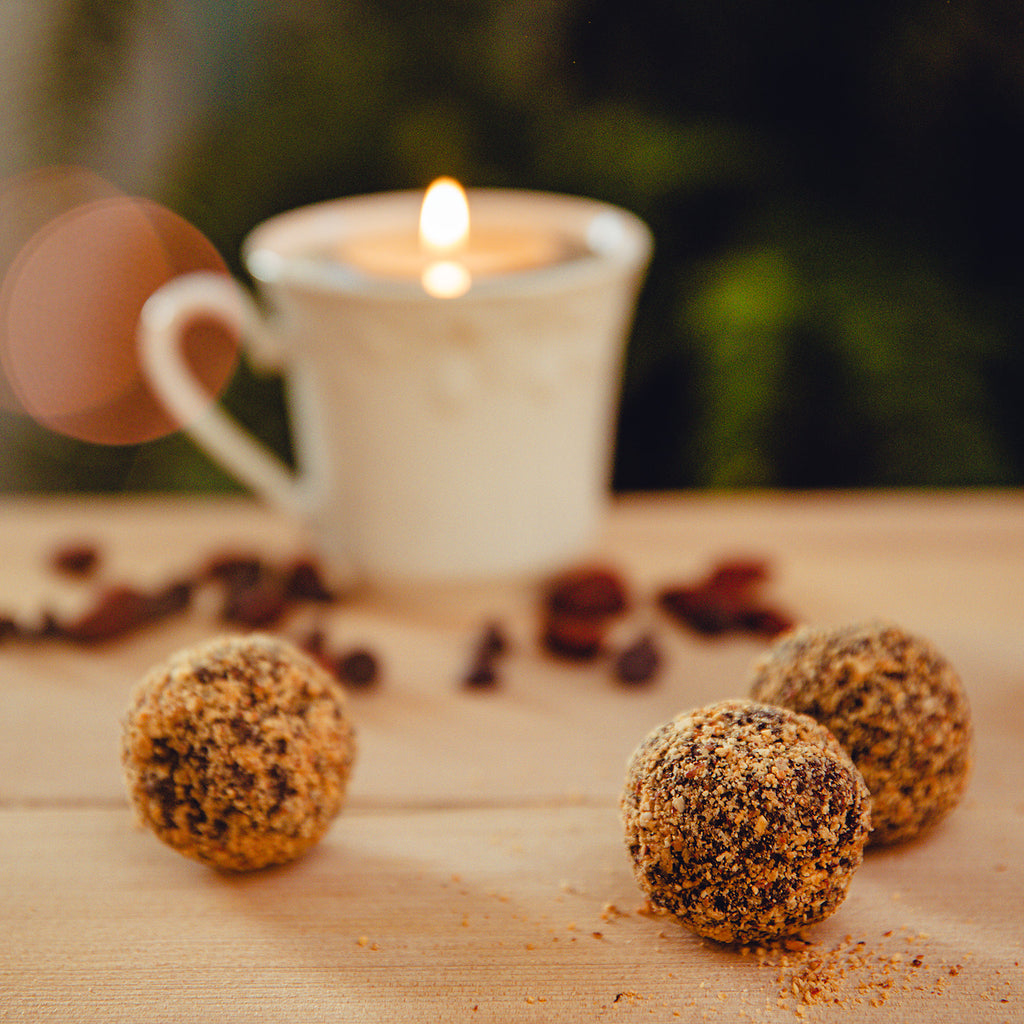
<point>478,872</point>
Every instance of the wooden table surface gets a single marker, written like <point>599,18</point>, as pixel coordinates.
<point>478,872</point>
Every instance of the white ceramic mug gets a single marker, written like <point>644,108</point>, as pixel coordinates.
<point>437,440</point>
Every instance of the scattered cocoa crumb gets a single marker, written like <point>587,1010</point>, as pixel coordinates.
<point>76,559</point>
<point>649,909</point>
<point>794,944</point>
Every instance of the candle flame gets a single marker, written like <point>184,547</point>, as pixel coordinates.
<point>444,217</point>
<point>444,230</point>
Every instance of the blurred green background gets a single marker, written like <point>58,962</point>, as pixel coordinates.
<point>836,297</point>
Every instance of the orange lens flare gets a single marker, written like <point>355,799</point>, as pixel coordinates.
<point>69,305</point>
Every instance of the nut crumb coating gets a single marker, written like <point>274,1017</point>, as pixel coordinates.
<point>895,704</point>
<point>745,821</point>
<point>237,752</point>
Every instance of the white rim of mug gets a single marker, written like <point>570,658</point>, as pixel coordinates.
<point>613,241</point>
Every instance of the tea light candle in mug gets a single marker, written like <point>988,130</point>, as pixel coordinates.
<point>455,434</point>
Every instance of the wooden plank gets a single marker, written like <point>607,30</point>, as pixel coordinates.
<point>516,914</point>
<point>481,848</point>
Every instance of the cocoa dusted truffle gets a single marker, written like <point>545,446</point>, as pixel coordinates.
<point>745,821</point>
<point>894,703</point>
<point>237,752</point>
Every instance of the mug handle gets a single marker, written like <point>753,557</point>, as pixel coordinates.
<point>162,323</point>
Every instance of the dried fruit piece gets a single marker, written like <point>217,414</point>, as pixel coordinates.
<point>587,591</point>
<point>304,581</point>
<point>699,608</point>
<point>121,610</point>
<point>482,675</point>
<point>358,668</point>
<point>578,605</point>
<point>76,559</point>
<point>257,605</point>
<point>491,645</point>
<point>728,599</point>
<point>579,637</point>
<point>258,593</point>
<point>493,641</point>
<point>639,662</point>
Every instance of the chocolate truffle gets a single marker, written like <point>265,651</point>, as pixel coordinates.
<point>237,752</point>
<point>746,821</point>
<point>895,704</point>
